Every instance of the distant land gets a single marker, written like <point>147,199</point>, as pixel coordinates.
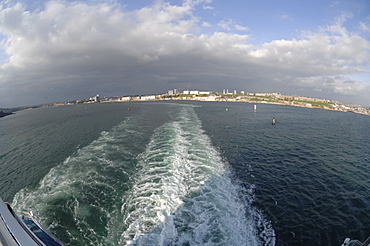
<point>209,96</point>
<point>9,111</point>
<point>4,113</point>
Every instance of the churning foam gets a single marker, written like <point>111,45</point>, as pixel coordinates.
<point>184,194</point>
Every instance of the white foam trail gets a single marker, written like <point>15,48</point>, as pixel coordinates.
<point>184,195</point>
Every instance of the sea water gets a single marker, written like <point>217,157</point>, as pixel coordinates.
<point>189,173</point>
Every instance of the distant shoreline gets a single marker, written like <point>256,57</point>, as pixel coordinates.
<point>302,104</point>
<point>3,114</point>
<point>367,112</point>
<point>260,98</point>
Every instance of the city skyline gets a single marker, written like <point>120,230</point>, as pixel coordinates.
<point>62,50</point>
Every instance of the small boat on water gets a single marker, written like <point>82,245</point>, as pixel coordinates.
<point>23,230</point>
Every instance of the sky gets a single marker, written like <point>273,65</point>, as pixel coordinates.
<point>56,51</point>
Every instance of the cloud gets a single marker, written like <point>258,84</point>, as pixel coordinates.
<point>286,17</point>
<point>72,50</point>
<point>241,28</point>
<point>230,25</point>
<point>365,27</point>
<point>347,86</point>
<point>340,84</point>
<point>207,7</point>
<point>342,18</point>
<point>226,24</point>
<point>316,60</point>
<point>206,24</point>
<point>334,4</point>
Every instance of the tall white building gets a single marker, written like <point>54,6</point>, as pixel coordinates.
<point>97,98</point>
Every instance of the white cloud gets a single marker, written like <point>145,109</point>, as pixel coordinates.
<point>335,3</point>
<point>342,18</point>
<point>347,86</point>
<point>230,25</point>
<point>286,17</point>
<point>226,24</point>
<point>340,84</point>
<point>206,24</point>
<point>365,27</point>
<point>318,52</point>
<point>241,28</point>
<point>207,7</point>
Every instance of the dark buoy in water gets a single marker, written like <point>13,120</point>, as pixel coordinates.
<point>273,121</point>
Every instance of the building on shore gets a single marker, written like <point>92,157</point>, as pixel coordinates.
<point>128,98</point>
<point>173,92</point>
<point>95,98</point>
<point>146,98</point>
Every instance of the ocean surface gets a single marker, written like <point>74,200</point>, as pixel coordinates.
<point>189,173</point>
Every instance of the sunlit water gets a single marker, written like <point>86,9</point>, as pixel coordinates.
<point>189,174</point>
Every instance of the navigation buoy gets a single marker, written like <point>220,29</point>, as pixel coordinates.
<point>128,109</point>
<point>255,107</point>
<point>273,121</point>
<point>227,109</point>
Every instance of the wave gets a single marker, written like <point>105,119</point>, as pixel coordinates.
<point>168,188</point>
<point>80,196</point>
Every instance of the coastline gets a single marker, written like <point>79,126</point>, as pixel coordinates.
<point>314,104</point>
<point>363,110</point>
<point>4,113</point>
<point>260,98</point>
